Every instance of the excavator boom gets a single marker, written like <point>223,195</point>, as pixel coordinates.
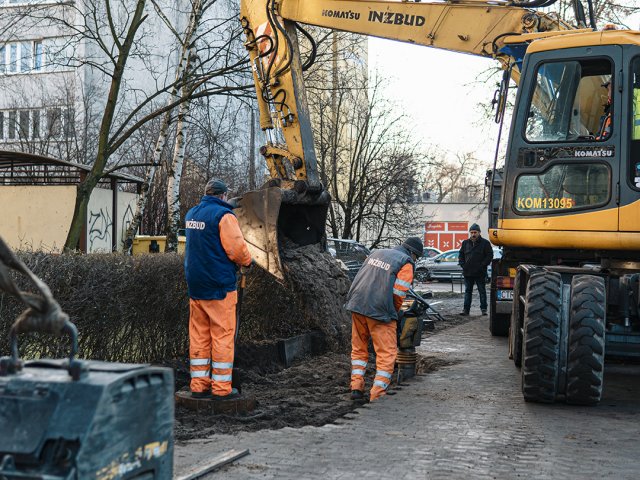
<point>297,209</point>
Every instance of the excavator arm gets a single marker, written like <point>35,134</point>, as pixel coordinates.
<point>296,204</point>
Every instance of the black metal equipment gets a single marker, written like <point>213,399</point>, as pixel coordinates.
<point>75,419</point>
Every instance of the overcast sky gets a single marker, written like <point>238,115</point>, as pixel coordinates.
<point>439,91</point>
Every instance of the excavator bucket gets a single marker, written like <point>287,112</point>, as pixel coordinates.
<point>271,218</point>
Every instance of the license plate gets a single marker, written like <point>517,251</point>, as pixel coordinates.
<point>505,295</point>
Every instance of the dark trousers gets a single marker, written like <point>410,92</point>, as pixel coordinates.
<point>468,292</point>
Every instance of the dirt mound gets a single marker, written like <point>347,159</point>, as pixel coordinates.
<point>311,298</point>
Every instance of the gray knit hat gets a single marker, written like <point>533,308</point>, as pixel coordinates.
<point>215,186</point>
<point>475,227</point>
<point>414,245</point>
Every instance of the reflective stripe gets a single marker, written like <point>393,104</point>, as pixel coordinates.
<point>201,373</point>
<point>399,293</point>
<point>360,363</point>
<point>199,362</point>
<point>402,283</point>
<point>222,365</point>
<point>221,378</point>
<point>356,371</point>
<point>381,384</point>
<point>382,373</point>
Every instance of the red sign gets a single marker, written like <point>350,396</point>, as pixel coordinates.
<point>434,227</point>
<point>431,240</point>
<point>457,226</point>
<point>446,241</point>
<point>459,238</point>
<point>445,235</point>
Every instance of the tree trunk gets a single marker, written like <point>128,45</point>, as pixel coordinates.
<point>85,188</point>
<point>173,187</point>
<point>147,186</point>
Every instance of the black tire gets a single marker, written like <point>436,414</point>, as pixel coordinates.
<point>585,364</point>
<point>499,324</point>
<point>541,339</point>
<point>515,327</point>
<point>422,275</point>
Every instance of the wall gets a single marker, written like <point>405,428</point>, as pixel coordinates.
<point>100,219</point>
<point>36,217</point>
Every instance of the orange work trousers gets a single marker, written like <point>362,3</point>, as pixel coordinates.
<point>385,345</point>
<point>212,330</point>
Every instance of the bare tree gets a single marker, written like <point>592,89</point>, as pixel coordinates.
<point>122,43</point>
<point>453,179</point>
<point>366,157</point>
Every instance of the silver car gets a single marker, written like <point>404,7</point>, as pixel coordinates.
<point>445,266</point>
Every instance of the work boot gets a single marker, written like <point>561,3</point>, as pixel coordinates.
<point>484,312</point>
<point>357,395</point>
<point>201,395</point>
<point>234,394</point>
<point>464,313</point>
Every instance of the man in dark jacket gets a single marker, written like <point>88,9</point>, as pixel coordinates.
<point>476,254</point>
<point>374,300</point>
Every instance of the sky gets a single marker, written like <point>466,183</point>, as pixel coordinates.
<point>440,93</point>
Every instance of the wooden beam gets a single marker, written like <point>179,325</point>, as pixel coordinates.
<point>217,462</point>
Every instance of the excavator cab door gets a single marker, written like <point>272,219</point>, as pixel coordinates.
<point>629,217</point>
<point>562,167</point>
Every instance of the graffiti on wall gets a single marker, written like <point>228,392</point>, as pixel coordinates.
<point>99,237</point>
<point>127,218</point>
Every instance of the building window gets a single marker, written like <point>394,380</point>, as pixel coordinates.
<point>23,123</point>
<point>26,59</point>
<point>54,123</point>
<point>11,134</point>
<point>37,55</point>
<point>35,123</point>
<point>13,58</point>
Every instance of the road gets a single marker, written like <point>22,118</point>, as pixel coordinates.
<point>466,420</point>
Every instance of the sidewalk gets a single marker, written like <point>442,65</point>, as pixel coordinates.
<point>467,420</point>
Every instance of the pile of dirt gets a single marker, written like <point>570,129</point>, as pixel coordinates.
<point>311,298</point>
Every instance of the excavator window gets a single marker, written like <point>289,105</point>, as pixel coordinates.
<point>569,101</point>
<point>564,187</point>
<point>634,151</point>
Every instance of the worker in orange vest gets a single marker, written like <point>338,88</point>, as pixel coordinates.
<point>215,250</point>
<point>375,297</point>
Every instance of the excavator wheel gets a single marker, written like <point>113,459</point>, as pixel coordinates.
<point>515,328</point>
<point>585,366</point>
<point>541,339</point>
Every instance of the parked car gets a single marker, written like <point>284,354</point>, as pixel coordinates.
<point>429,253</point>
<point>349,252</point>
<point>443,266</point>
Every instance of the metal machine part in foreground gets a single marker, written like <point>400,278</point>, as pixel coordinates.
<point>76,419</point>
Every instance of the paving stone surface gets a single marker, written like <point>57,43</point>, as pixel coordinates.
<point>465,421</point>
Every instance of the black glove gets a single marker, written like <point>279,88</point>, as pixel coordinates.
<point>244,269</point>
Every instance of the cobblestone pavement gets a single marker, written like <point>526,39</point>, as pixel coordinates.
<point>466,420</point>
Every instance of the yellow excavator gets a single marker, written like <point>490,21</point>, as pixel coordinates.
<point>565,208</point>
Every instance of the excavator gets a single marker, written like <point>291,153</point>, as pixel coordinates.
<point>565,208</point>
